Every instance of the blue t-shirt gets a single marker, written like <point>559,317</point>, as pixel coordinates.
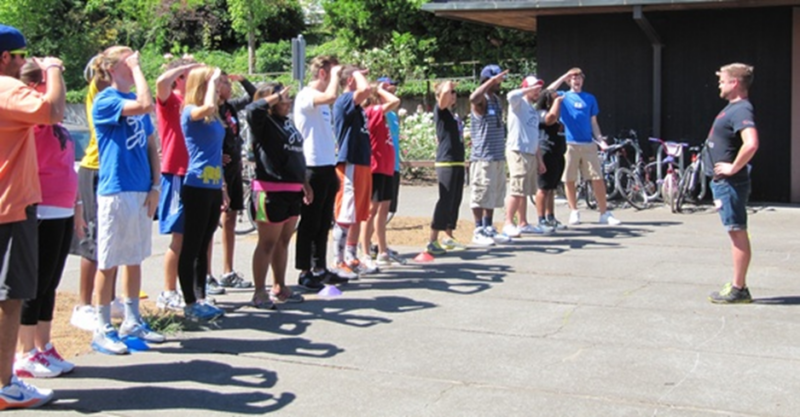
<point>394,131</point>
<point>577,110</point>
<point>122,143</point>
<point>204,144</point>
<point>352,134</point>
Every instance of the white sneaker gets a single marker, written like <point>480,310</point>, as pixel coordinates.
<point>83,317</point>
<point>19,394</point>
<point>170,300</point>
<point>609,219</point>
<point>56,360</point>
<point>511,231</point>
<point>479,237</point>
<point>34,365</point>
<point>496,236</point>
<point>574,217</point>
<point>141,330</point>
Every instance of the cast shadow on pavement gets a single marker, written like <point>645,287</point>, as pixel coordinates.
<point>161,398</point>
<point>199,371</point>
<point>789,300</point>
<point>455,278</point>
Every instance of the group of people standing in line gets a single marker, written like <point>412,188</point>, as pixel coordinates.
<point>336,165</point>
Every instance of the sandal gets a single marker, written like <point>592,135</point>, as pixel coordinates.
<point>286,296</point>
<point>263,301</point>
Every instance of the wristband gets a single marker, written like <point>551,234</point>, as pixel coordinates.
<point>61,67</point>
<point>155,187</point>
<point>79,203</point>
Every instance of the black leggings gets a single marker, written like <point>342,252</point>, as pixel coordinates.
<point>201,211</point>
<point>55,236</point>
<point>311,247</point>
<point>451,190</point>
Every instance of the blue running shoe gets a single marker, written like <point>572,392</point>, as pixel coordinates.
<point>106,340</point>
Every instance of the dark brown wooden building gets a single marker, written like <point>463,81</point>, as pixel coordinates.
<point>651,64</point>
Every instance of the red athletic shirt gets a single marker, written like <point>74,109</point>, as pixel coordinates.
<point>381,141</point>
<point>174,157</point>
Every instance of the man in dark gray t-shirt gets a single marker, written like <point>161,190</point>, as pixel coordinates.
<point>732,142</point>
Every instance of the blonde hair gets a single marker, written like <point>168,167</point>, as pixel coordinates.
<point>104,61</point>
<point>321,62</point>
<point>196,87</point>
<point>439,87</point>
<point>742,72</point>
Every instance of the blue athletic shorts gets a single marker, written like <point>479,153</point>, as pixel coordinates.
<point>170,207</point>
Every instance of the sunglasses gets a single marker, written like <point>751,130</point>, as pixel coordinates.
<point>19,52</point>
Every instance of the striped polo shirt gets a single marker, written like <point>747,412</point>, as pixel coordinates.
<point>488,132</point>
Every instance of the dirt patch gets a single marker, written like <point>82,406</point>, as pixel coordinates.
<point>414,231</point>
<point>68,339</point>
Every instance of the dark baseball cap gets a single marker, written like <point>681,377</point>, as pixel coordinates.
<point>11,39</point>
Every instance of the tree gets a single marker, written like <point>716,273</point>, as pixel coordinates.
<point>248,17</point>
<point>367,24</point>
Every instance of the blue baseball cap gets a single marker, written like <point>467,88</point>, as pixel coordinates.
<point>490,71</point>
<point>387,80</point>
<point>11,39</point>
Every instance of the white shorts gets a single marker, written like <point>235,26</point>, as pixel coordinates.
<point>123,230</point>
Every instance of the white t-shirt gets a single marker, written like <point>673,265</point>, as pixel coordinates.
<point>315,123</point>
<point>523,124</point>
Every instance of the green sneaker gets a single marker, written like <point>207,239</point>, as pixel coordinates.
<point>435,248</point>
<point>731,295</point>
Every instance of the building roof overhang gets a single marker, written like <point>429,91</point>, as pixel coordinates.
<point>522,14</point>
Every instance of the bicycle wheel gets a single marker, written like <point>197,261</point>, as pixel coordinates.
<point>649,179</point>
<point>685,189</point>
<point>669,190</point>
<point>631,188</point>
<point>588,194</point>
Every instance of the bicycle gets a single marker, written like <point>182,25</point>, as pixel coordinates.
<point>669,183</point>
<point>694,183</point>
<point>632,180</point>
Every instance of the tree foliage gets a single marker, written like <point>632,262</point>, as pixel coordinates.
<point>367,24</point>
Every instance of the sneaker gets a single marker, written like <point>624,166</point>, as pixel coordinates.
<point>479,237</point>
<point>170,300</point>
<point>141,330</point>
<point>211,304</point>
<point>35,365</point>
<point>511,231</point>
<point>83,317</point>
<point>19,394</point>
<point>497,236</point>
<point>213,287</point>
<point>383,259</point>
<point>328,277</point>
<point>286,296</point>
<point>574,217</point>
<point>309,282</point>
<point>55,358</point>
<point>343,270</point>
<point>555,224</point>
<point>106,340</point>
<point>262,301</point>
<point>539,229</point>
<point>435,248</point>
<point>359,267</point>
<point>449,243</point>
<point>234,280</point>
<point>730,295</point>
<point>609,219</point>
<point>200,311</point>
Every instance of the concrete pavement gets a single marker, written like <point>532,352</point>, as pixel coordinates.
<point>594,321</point>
